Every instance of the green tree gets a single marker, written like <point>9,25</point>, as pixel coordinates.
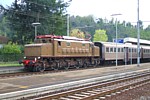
<point>50,13</point>
<point>77,33</point>
<point>4,29</point>
<point>100,35</point>
<point>85,24</point>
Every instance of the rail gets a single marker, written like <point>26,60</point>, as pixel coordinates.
<point>35,92</point>
<point>99,90</point>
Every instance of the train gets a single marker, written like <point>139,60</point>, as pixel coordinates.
<point>50,52</point>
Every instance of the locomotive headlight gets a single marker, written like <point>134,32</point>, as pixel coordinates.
<point>35,59</point>
<point>39,57</point>
<point>24,57</point>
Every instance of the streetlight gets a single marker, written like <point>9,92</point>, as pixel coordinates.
<point>116,38</point>
<point>35,25</point>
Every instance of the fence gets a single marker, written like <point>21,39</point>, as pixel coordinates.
<point>10,57</point>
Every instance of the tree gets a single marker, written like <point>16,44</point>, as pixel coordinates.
<point>22,13</point>
<point>100,35</point>
<point>4,30</point>
<point>77,33</point>
<point>85,24</point>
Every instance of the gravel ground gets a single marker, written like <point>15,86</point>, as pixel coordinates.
<point>140,93</point>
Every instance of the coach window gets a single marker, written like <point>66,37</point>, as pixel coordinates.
<point>114,49</point>
<point>122,50</point>
<point>129,50</point>
<point>144,50</point>
<point>135,50</point>
<point>107,49</point>
<point>111,49</point>
<point>118,49</point>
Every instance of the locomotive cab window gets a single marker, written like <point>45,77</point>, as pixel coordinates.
<point>83,44</point>
<point>59,43</point>
<point>43,41</point>
<point>50,41</point>
<point>91,45</point>
<point>68,43</point>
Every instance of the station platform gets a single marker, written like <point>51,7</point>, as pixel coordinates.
<point>34,81</point>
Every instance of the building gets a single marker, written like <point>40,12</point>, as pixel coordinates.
<point>3,40</point>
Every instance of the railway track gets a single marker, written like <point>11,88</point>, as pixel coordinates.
<point>24,73</point>
<point>18,74</point>
<point>98,91</point>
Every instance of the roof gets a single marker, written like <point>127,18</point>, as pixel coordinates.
<point>3,39</point>
<point>61,37</point>
<point>134,40</point>
<point>111,44</point>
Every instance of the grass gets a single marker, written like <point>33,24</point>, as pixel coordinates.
<point>13,64</point>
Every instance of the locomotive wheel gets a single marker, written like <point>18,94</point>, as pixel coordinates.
<point>57,66</point>
<point>79,64</point>
<point>95,63</point>
<point>85,65</point>
<point>39,68</point>
<point>26,68</point>
<point>67,66</point>
<point>76,66</point>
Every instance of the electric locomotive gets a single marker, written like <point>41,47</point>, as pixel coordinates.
<point>57,52</point>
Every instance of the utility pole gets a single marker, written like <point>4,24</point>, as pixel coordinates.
<point>68,25</point>
<point>138,37</point>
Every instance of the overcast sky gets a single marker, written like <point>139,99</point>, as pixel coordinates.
<point>104,9</point>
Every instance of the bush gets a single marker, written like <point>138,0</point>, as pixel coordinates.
<point>11,52</point>
<point>10,57</point>
<point>10,48</point>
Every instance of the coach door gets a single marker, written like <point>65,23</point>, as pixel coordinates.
<point>141,52</point>
<point>126,55</point>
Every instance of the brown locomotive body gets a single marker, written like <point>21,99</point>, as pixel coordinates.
<point>55,52</point>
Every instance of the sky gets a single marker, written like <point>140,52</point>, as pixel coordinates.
<point>105,8</point>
